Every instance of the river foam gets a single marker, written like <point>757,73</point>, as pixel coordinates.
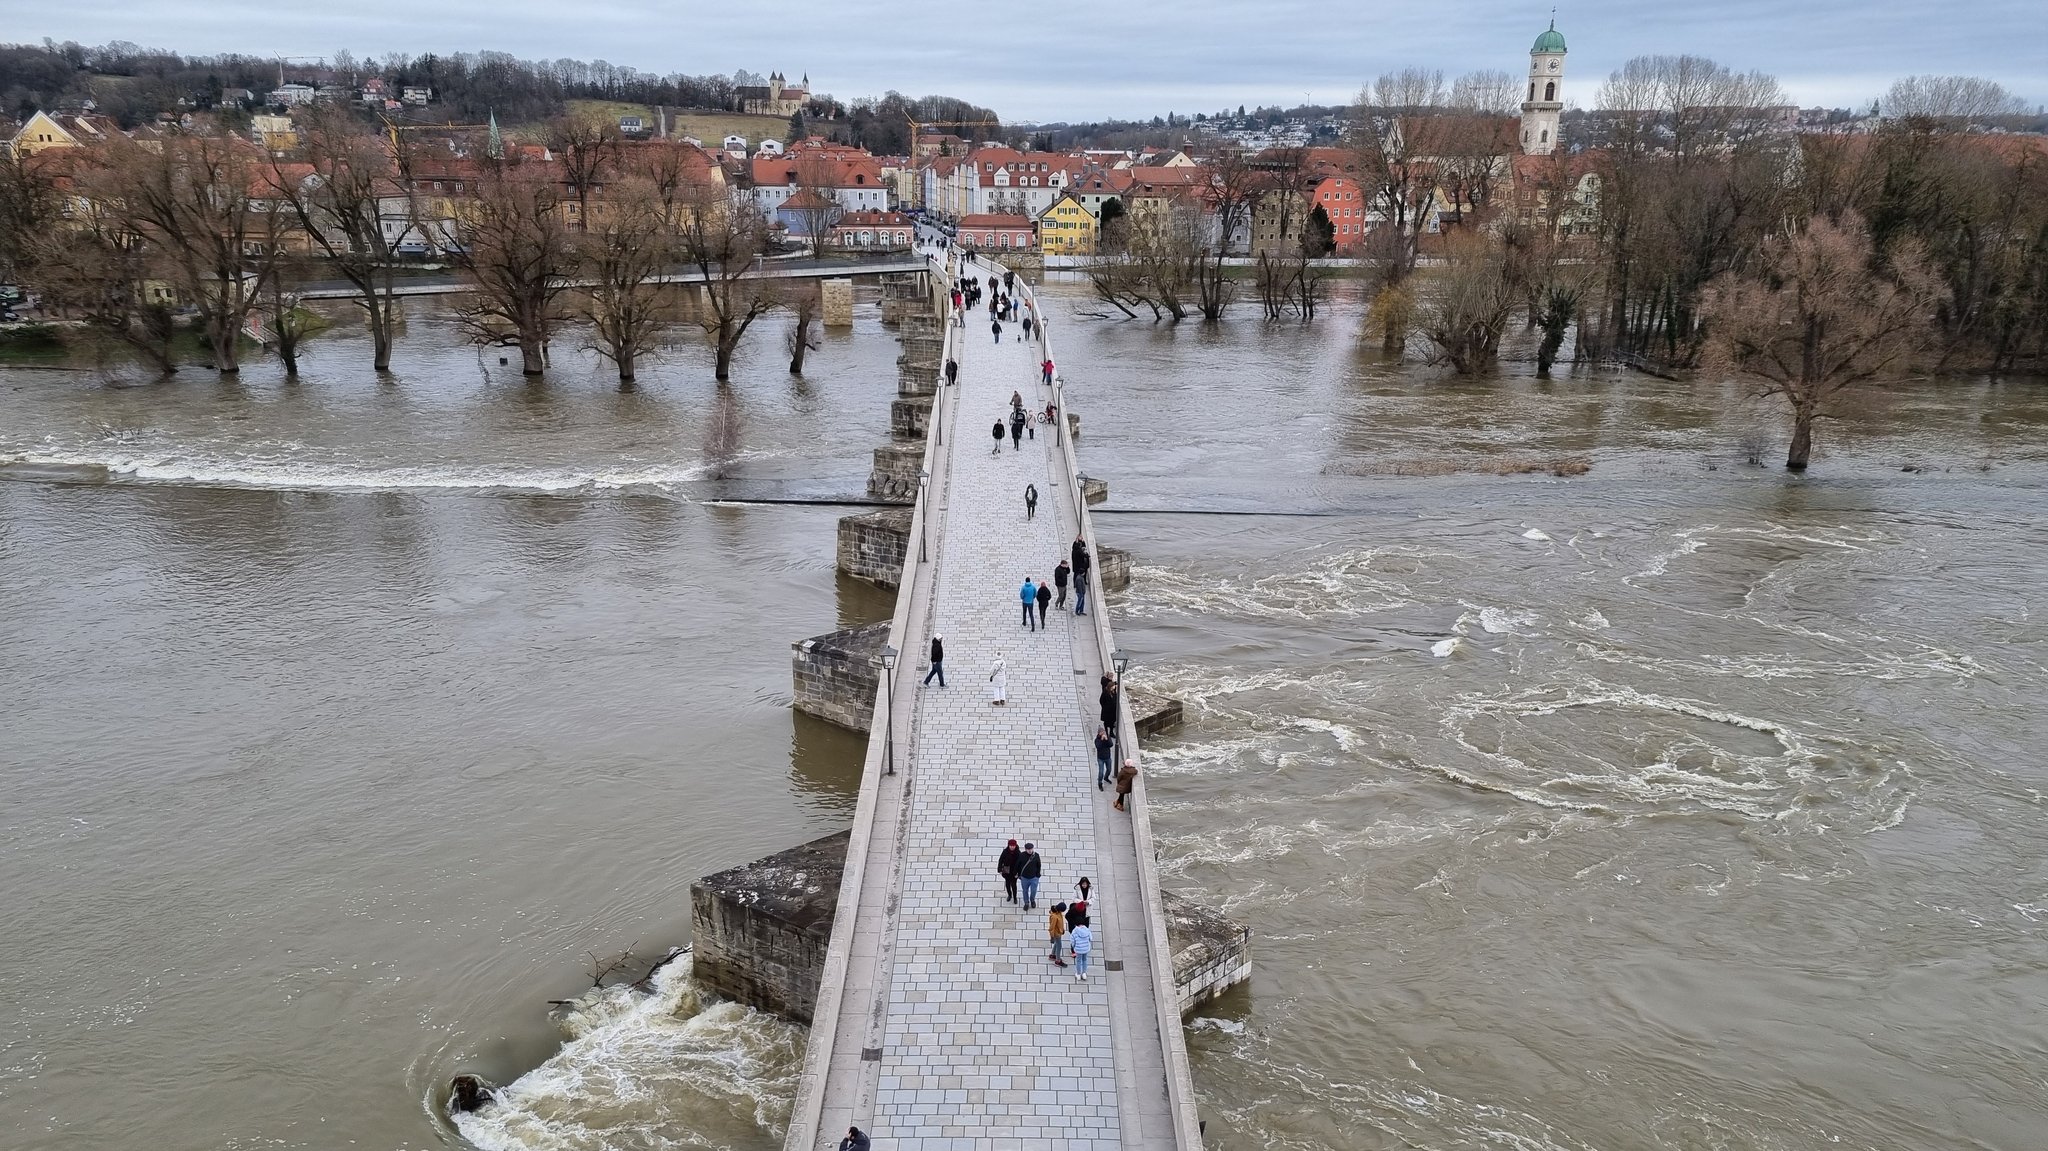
<point>295,472</point>
<point>672,1069</point>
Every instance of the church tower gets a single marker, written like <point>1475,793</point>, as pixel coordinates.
<point>1546,93</point>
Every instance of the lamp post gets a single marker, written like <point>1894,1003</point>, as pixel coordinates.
<point>924,480</point>
<point>888,661</point>
<point>1120,660</point>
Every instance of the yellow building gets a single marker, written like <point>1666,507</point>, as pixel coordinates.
<point>1067,228</point>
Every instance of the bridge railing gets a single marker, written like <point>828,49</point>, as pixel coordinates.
<point>808,1113</point>
<point>1180,1087</point>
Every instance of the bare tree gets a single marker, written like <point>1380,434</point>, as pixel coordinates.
<point>1468,311</point>
<point>289,324</point>
<point>622,262</point>
<point>1819,317</point>
<point>1396,135</point>
<point>513,246</point>
<point>721,236</point>
<point>814,203</point>
<point>805,303</point>
<point>588,149</point>
<point>99,270</point>
<point>344,194</point>
<point>1953,102</point>
<point>202,204</point>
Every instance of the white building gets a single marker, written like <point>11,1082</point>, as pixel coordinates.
<point>1545,104</point>
<point>292,95</point>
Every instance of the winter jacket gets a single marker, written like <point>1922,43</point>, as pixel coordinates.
<point>1055,924</point>
<point>1044,594</point>
<point>938,650</point>
<point>1028,866</point>
<point>1111,700</point>
<point>1104,745</point>
<point>1006,863</point>
<point>1125,776</point>
<point>1028,593</point>
<point>1060,574</point>
<point>1083,940</point>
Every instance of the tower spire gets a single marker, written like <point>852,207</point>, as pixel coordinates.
<point>494,144</point>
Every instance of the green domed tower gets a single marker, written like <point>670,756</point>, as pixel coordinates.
<point>1545,104</point>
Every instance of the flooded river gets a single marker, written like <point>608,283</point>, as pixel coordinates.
<point>1680,803</point>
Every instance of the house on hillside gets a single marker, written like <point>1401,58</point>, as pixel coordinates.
<point>292,95</point>
<point>775,98</point>
<point>418,97</point>
<point>633,125</point>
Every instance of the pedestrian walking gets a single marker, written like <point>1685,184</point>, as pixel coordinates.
<point>1104,749</point>
<point>1017,431</point>
<point>998,682</point>
<point>1060,575</point>
<point>1055,928</point>
<point>1029,868</point>
<point>1045,368</point>
<point>1029,594</point>
<point>998,449</point>
<point>1084,946</point>
<point>996,326</point>
<point>1112,702</point>
<point>952,371</point>
<point>1027,327</point>
<point>1126,778</point>
<point>1030,501</point>
<point>938,662</point>
<point>1044,601</point>
<point>1009,281</point>
<point>1006,866</point>
<point>1016,402</point>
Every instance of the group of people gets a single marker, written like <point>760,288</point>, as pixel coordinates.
<point>1066,923</point>
<point>1043,594</point>
<point>1019,422</point>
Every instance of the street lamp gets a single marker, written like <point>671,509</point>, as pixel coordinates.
<point>888,661</point>
<point>1121,661</point>
<point>924,479</point>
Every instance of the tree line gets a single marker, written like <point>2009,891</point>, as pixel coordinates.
<point>125,237</point>
<point>133,84</point>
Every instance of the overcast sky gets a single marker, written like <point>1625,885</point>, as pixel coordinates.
<point>1136,58</point>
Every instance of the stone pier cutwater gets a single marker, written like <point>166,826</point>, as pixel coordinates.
<point>759,932</point>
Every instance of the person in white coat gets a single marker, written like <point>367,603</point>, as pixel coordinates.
<point>998,682</point>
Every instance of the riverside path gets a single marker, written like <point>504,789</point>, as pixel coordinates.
<point>941,1025</point>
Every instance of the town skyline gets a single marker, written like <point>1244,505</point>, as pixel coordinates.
<point>1831,54</point>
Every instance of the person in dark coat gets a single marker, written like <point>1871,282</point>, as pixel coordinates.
<point>952,371</point>
<point>1029,868</point>
<point>1044,601</point>
<point>1082,563</point>
<point>856,1140</point>
<point>998,449</point>
<point>938,662</point>
<point>1060,575</point>
<point>996,326</point>
<point>1017,431</point>
<point>1112,702</point>
<point>1030,500</point>
<point>1006,866</point>
<point>1104,749</point>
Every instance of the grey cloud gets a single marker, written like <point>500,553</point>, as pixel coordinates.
<point>1140,58</point>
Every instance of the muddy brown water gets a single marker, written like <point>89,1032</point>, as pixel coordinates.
<point>1682,803</point>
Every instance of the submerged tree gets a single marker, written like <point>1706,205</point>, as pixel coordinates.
<point>514,249</point>
<point>1818,317</point>
<point>1468,312</point>
<point>346,189</point>
<point>624,259</point>
<point>720,236</point>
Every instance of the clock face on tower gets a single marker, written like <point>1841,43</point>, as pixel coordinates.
<point>1553,65</point>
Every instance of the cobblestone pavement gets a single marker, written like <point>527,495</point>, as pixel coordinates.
<point>987,1044</point>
